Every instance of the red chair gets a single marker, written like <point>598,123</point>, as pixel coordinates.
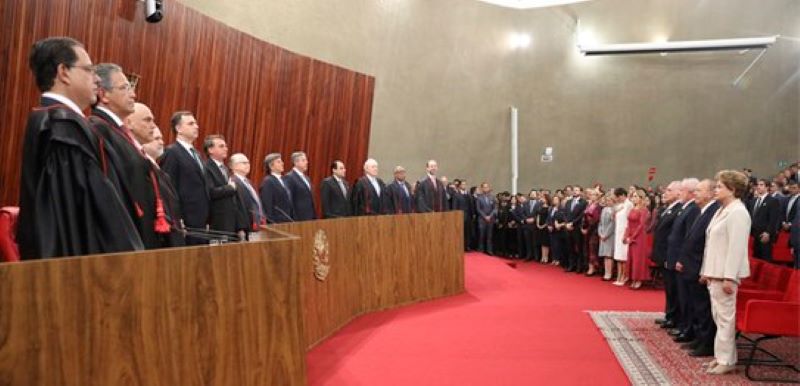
<point>755,271</point>
<point>781,253</point>
<point>772,319</point>
<point>771,278</point>
<point>8,229</point>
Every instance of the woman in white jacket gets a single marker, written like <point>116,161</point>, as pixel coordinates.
<point>725,264</point>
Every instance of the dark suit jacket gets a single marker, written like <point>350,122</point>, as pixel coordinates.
<point>365,199</point>
<point>225,213</point>
<point>302,198</point>
<point>134,180</point>
<point>461,202</point>
<point>401,202</point>
<point>190,182</point>
<point>575,216</point>
<point>334,202</point>
<point>766,218</point>
<point>276,201</point>
<point>666,217</point>
<point>249,204</point>
<point>677,235</point>
<point>693,247</point>
<point>788,213</point>
<point>525,212</point>
<point>430,198</point>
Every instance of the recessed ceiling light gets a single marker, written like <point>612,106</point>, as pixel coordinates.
<point>527,4</point>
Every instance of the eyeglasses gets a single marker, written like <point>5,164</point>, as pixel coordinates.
<point>123,87</point>
<point>90,68</point>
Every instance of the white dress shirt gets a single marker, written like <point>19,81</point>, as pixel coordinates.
<point>68,102</point>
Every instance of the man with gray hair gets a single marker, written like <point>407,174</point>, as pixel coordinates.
<point>369,195</point>
<point>299,185</point>
<point>128,166</point>
<point>249,201</point>
<point>675,242</point>
<point>399,192</point>
<point>275,196</point>
<point>664,221</point>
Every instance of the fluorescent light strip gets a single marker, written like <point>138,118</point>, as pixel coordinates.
<point>679,46</point>
<point>528,4</point>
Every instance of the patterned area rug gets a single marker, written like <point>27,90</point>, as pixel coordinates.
<point>650,357</point>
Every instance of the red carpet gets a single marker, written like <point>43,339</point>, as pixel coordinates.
<point>519,326</point>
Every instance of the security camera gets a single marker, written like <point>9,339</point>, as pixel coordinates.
<point>153,10</point>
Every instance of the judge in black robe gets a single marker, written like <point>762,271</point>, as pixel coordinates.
<point>68,205</point>
<point>133,171</point>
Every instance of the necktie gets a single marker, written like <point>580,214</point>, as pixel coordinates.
<point>405,189</point>
<point>530,207</point>
<point>789,206</point>
<point>196,158</point>
<point>574,202</point>
<point>341,186</point>
<point>758,205</point>
<point>224,171</point>
<point>253,193</point>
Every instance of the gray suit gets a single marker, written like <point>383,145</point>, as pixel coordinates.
<point>485,205</point>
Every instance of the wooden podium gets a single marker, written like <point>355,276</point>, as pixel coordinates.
<point>233,314</point>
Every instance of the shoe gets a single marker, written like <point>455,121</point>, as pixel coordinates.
<point>619,283</point>
<point>701,352</point>
<point>721,369</point>
<point>683,338</point>
<point>606,278</point>
<point>590,273</point>
<point>569,269</point>
<point>660,321</point>
<point>668,324</point>
<point>674,332</point>
<point>691,346</point>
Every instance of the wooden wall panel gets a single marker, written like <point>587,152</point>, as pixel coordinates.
<point>222,315</point>
<point>377,262</point>
<point>261,97</point>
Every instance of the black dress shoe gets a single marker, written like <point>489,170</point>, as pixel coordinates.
<point>668,324</point>
<point>674,332</point>
<point>683,338</point>
<point>702,352</point>
<point>660,321</point>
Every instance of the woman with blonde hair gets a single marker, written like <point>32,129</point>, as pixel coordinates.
<point>636,239</point>
<point>725,264</point>
<point>621,210</point>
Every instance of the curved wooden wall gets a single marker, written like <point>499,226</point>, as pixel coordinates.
<point>223,315</point>
<point>261,97</point>
<point>377,262</point>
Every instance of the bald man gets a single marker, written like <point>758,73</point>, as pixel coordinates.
<point>249,202</point>
<point>141,123</point>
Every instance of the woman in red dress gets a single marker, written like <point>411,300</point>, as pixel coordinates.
<point>591,218</point>
<point>636,238</point>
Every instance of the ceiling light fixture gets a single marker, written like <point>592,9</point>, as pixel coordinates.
<point>764,42</point>
<point>528,4</point>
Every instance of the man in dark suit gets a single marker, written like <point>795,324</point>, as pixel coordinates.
<point>794,239</point>
<point>699,318</point>
<point>275,196</point>
<point>68,204</point>
<point>249,202</point>
<point>369,197</point>
<point>430,192</point>
<point>299,185</point>
<point>335,193</point>
<point>167,197</point>
<point>486,211</point>
<point>666,218</point>
<point>461,201</point>
<point>675,243</point>
<point>225,213</point>
<point>575,208</point>
<point>115,102</point>
<point>183,163</point>
<point>399,191</point>
<point>790,208</point>
<point>525,215</point>
<point>765,214</point>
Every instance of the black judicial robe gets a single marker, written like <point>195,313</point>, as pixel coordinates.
<point>68,205</point>
<point>133,169</point>
<point>172,210</point>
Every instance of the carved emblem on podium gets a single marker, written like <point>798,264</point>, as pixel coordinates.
<point>322,264</point>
